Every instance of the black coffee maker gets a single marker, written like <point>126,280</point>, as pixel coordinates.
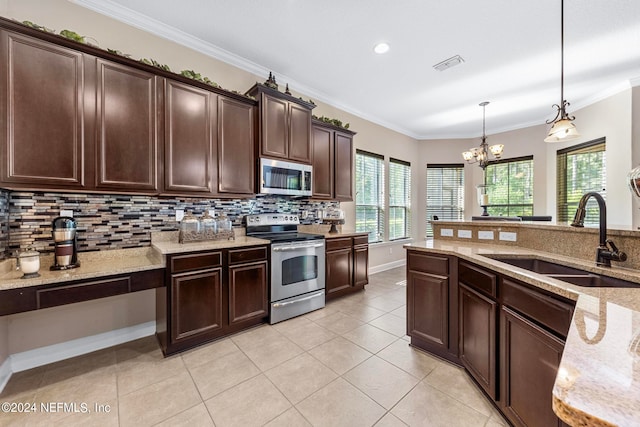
<point>64,233</point>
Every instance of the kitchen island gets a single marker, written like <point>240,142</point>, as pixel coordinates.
<point>597,378</point>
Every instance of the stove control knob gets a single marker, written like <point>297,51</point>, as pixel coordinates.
<point>295,218</point>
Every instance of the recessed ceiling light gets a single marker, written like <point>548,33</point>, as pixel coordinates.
<point>381,48</point>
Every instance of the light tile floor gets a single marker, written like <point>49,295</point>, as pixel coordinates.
<point>349,364</point>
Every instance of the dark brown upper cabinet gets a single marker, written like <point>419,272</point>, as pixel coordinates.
<point>285,125</point>
<point>236,140</point>
<point>80,119</point>
<point>189,117</point>
<point>332,149</point>
<point>42,114</point>
<point>126,128</point>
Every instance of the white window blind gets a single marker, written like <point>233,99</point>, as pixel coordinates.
<point>510,187</point>
<point>370,194</point>
<point>580,169</point>
<point>445,193</point>
<point>399,199</point>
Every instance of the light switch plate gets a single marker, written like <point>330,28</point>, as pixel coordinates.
<point>66,212</point>
<point>179,214</point>
<point>508,236</point>
<point>446,232</point>
<point>464,234</point>
<point>485,235</point>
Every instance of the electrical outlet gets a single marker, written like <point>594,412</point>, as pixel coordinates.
<point>66,212</point>
<point>179,214</point>
<point>390,251</point>
<point>464,234</point>
<point>508,236</point>
<point>446,232</point>
<point>485,235</point>
<point>212,212</point>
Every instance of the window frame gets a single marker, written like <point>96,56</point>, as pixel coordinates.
<point>406,203</point>
<point>565,210</point>
<point>459,168</point>
<point>379,208</point>
<point>509,205</point>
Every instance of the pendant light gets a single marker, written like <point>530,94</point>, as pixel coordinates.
<point>481,154</point>
<point>563,128</point>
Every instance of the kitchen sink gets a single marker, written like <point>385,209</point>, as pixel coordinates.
<point>571,275</point>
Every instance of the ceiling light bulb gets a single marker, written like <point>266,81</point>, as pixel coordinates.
<point>381,48</point>
<point>467,155</point>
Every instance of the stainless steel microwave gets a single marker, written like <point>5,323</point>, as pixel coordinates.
<point>280,177</point>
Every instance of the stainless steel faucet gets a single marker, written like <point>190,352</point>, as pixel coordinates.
<point>607,250</point>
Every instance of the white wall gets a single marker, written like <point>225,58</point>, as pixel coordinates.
<point>635,148</point>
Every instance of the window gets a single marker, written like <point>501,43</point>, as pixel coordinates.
<point>510,187</point>
<point>445,193</point>
<point>399,199</point>
<point>370,194</point>
<point>580,169</point>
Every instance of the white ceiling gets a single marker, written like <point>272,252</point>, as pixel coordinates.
<point>324,49</point>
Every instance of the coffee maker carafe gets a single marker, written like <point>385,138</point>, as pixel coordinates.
<point>64,237</point>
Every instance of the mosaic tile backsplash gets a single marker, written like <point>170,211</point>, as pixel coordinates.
<point>122,221</point>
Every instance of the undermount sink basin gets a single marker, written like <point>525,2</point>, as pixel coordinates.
<point>566,274</point>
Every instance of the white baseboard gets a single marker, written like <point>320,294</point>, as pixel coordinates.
<point>387,266</point>
<point>5,373</point>
<point>65,350</point>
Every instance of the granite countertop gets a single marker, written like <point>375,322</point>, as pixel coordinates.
<point>598,381</point>
<point>92,264</point>
<point>173,247</point>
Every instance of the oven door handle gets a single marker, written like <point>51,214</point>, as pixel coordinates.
<point>282,304</point>
<point>295,248</point>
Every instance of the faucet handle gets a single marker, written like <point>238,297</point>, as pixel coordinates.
<point>616,255</point>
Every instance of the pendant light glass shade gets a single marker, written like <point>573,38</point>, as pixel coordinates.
<point>562,130</point>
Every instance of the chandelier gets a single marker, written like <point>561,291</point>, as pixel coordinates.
<point>481,154</point>
<point>562,129</point>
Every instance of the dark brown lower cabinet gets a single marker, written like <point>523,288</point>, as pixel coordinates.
<point>196,304</point>
<point>346,266</point>
<point>432,304</point>
<point>212,294</point>
<point>530,359</point>
<point>508,335</point>
<point>478,337</point>
<point>248,297</point>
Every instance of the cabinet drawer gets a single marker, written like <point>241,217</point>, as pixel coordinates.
<point>428,263</point>
<point>361,240</point>
<point>61,295</point>
<point>17,300</point>
<point>240,256</point>
<point>477,278</point>
<point>546,310</point>
<point>199,261</point>
<point>341,243</point>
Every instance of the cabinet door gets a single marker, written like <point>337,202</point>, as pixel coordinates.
<point>428,308</point>
<point>343,167</point>
<point>322,143</point>
<point>126,145</point>
<point>299,133</point>
<point>236,139</point>
<point>275,126</point>
<point>248,298</point>
<point>188,138</point>
<point>42,113</point>
<point>360,265</point>
<point>196,304</point>
<point>530,357</point>
<point>477,337</point>
<point>339,273</point>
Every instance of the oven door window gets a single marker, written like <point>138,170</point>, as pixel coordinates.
<point>299,269</point>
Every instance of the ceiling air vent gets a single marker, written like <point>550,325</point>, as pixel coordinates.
<point>448,63</point>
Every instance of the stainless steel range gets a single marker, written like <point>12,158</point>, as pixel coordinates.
<point>297,265</point>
